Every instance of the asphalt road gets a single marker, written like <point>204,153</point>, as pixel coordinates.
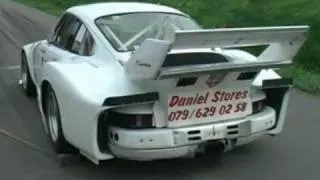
<point>295,154</point>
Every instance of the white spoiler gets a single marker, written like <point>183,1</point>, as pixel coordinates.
<point>284,43</point>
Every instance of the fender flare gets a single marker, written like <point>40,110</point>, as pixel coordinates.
<point>47,79</point>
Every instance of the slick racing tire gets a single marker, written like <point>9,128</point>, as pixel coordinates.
<point>53,117</point>
<point>28,86</point>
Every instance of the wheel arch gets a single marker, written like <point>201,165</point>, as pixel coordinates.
<point>45,84</point>
<point>28,51</point>
<point>43,89</point>
<point>75,126</point>
<point>60,93</point>
<point>65,146</point>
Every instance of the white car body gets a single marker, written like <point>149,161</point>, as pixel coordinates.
<point>129,83</point>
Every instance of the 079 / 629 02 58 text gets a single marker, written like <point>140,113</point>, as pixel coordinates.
<point>210,104</point>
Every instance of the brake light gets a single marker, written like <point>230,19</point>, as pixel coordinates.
<point>257,106</point>
<point>143,121</point>
<point>130,121</point>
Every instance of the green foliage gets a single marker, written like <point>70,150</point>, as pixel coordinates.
<point>303,79</point>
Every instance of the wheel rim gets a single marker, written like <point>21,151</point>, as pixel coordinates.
<point>53,117</point>
<point>24,78</point>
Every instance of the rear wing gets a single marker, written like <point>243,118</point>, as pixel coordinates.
<point>149,59</point>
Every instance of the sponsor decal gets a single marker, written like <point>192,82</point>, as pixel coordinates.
<point>208,105</point>
<point>204,98</point>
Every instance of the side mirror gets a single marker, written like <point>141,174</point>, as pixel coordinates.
<point>50,38</point>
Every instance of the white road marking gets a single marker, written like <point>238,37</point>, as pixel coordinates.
<point>62,158</point>
<point>28,144</point>
<point>9,68</point>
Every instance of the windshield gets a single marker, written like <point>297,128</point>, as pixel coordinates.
<point>127,31</point>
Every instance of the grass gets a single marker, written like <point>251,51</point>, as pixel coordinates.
<point>303,79</point>
<point>241,13</point>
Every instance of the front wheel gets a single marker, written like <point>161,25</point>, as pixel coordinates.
<point>52,112</point>
<point>27,84</point>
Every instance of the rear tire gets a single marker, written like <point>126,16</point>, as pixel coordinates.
<point>52,113</point>
<point>28,86</point>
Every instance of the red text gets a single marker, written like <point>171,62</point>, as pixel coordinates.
<point>229,96</point>
<point>204,112</point>
<point>188,101</point>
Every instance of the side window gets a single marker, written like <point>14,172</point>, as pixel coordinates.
<point>67,32</point>
<point>78,39</point>
<point>88,45</point>
<point>62,21</point>
<point>83,43</point>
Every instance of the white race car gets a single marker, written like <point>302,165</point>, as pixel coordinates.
<point>142,81</point>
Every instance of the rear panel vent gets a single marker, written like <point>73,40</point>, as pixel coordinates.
<point>186,81</point>
<point>196,58</point>
<point>247,75</point>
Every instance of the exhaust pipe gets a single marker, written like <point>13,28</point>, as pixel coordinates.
<point>214,146</point>
<point>220,146</point>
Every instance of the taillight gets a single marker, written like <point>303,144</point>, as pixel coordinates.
<point>143,121</point>
<point>257,106</point>
<point>130,121</point>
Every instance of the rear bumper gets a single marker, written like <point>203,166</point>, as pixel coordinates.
<point>164,143</point>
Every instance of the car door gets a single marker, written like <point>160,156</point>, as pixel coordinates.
<point>59,48</point>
